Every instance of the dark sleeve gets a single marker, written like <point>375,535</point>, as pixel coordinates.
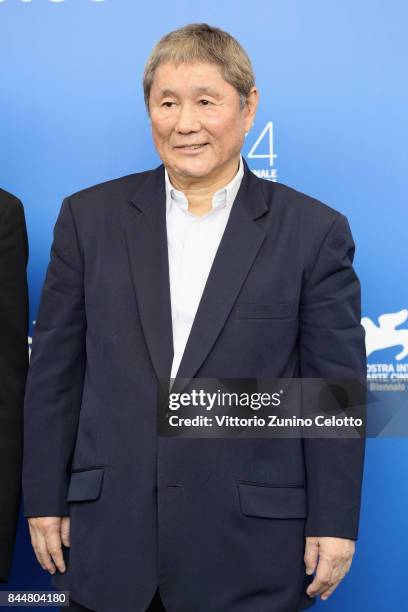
<point>332,345</point>
<point>55,377</point>
<point>13,369</point>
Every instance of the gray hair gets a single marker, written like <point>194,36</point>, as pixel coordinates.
<point>199,42</point>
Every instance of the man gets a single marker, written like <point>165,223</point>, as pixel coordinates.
<point>164,273</point>
<point>13,367</point>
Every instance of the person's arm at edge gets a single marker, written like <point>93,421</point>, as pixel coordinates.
<point>13,365</point>
<point>54,393</point>
<point>332,345</point>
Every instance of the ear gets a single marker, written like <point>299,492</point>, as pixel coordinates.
<point>251,106</point>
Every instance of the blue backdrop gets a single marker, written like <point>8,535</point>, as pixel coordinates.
<point>332,123</point>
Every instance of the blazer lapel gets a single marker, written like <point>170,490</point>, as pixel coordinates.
<point>238,248</point>
<point>145,228</point>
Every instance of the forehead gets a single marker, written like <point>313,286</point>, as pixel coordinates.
<point>189,78</point>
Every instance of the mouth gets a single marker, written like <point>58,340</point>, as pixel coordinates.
<point>193,147</point>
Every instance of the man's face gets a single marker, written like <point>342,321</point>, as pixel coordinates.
<point>191,104</point>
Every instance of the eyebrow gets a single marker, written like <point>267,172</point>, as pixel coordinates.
<point>202,89</point>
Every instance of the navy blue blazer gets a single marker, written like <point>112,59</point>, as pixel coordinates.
<point>13,367</point>
<point>217,524</point>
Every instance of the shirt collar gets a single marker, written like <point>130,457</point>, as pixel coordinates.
<point>223,197</point>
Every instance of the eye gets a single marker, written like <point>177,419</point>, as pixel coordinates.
<point>164,104</point>
<point>204,100</point>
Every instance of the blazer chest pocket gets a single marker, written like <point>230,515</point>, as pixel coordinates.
<point>250,310</point>
<point>85,484</point>
<point>270,501</point>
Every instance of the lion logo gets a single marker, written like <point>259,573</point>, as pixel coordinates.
<point>385,335</point>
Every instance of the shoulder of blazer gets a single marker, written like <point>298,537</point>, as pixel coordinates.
<point>312,218</point>
<point>121,188</point>
<point>305,205</point>
<point>12,220</point>
<point>9,203</point>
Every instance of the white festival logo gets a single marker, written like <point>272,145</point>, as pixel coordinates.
<point>386,335</point>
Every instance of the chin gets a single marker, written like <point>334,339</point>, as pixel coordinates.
<point>192,169</point>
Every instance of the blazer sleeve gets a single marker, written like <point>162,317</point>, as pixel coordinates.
<point>332,345</point>
<point>55,377</point>
<point>13,370</point>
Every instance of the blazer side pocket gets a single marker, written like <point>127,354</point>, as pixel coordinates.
<point>85,484</point>
<point>270,501</point>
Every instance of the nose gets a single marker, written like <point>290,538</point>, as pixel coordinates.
<point>187,119</point>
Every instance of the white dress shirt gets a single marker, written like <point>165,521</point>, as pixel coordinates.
<point>192,243</point>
